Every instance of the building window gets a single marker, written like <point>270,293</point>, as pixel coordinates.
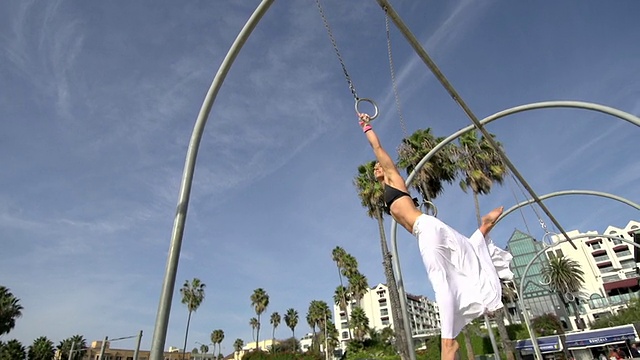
<point>624,253</point>
<point>550,255</point>
<point>617,241</point>
<point>382,302</point>
<point>559,253</point>
<point>596,246</point>
<point>385,322</point>
<point>384,312</point>
<point>345,334</point>
<point>606,269</point>
<point>628,264</point>
<point>600,258</point>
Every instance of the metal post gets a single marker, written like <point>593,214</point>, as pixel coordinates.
<point>458,99</point>
<point>168,284</point>
<point>492,337</point>
<point>73,345</point>
<point>137,350</point>
<point>103,347</point>
<point>326,342</point>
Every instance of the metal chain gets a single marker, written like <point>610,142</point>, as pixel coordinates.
<point>393,75</point>
<point>335,47</point>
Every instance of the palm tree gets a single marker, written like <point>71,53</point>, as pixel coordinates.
<point>254,325</point>
<point>275,321</point>
<point>217,336</point>
<point>204,349</point>
<point>480,166</point>
<point>566,277</point>
<point>291,319</point>
<point>77,343</point>
<point>338,255</point>
<point>359,322</point>
<point>192,296</point>
<point>349,265</point>
<point>13,350</point>
<point>41,349</point>
<point>441,168</point>
<point>371,193</point>
<point>259,301</point>
<point>237,346</point>
<point>10,310</point>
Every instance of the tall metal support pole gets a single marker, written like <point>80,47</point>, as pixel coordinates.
<point>499,115</point>
<point>137,350</point>
<point>456,97</point>
<point>103,347</point>
<point>73,345</point>
<point>168,285</point>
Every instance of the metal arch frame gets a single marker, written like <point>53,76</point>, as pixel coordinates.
<point>514,110</point>
<point>570,192</point>
<point>525,313</point>
<point>169,282</point>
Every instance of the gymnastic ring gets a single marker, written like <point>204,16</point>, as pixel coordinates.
<point>545,283</point>
<point>375,107</point>
<point>546,238</point>
<point>569,297</point>
<point>430,205</point>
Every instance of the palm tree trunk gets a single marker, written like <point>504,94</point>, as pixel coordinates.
<point>346,312</point>
<point>258,334</point>
<point>396,312</point>
<point>476,203</point>
<point>186,335</point>
<point>574,305</point>
<point>507,346</point>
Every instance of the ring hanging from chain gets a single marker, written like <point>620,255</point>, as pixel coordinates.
<point>352,87</point>
<point>430,208</point>
<point>375,107</point>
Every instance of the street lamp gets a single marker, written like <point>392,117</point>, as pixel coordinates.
<point>207,345</point>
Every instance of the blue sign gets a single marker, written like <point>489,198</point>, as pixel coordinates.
<point>546,344</point>
<point>601,337</point>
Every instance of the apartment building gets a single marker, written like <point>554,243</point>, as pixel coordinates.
<point>423,313</point>
<point>610,267</point>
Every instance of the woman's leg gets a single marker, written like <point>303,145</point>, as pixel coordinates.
<point>449,348</point>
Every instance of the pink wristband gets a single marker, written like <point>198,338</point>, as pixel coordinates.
<point>366,128</point>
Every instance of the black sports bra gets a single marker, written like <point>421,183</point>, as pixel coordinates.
<point>392,194</point>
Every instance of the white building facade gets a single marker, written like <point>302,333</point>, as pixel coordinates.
<point>610,268</point>
<point>424,315</point>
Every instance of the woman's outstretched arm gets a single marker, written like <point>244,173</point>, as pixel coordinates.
<point>387,164</point>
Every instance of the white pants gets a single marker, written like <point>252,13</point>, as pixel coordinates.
<point>464,272</point>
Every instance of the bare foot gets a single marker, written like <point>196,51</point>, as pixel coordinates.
<point>489,220</point>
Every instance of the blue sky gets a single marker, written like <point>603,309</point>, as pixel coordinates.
<point>99,99</point>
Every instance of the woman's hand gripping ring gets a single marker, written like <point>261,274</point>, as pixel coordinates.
<point>375,107</point>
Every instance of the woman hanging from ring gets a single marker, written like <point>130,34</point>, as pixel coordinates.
<point>465,272</point>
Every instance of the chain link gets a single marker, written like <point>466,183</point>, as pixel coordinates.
<point>335,48</point>
<point>393,75</point>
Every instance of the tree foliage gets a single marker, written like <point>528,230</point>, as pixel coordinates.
<point>629,315</point>
<point>41,349</point>
<point>10,310</point>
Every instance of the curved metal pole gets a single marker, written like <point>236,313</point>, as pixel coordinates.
<point>168,285</point>
<point>570,192</point>
<point>514,110</point>
<point>525,313</point>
